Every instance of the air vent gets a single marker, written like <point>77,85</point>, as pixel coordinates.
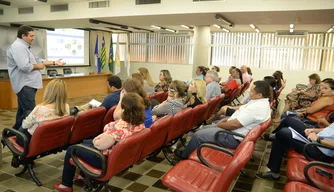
<point>288,34</point>
<point>59,8</point>
<point>98,4</point>
<point>27,10</point>
<point>144,2</point>
<point>1,11</point>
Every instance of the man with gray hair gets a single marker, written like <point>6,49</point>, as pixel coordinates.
<point>212,85</point>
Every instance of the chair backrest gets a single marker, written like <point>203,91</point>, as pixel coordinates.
<point>178,124</point>
<point>233,95</point>
<point>87,124</point>
<point>245,87</point>
<point>164,97</point>
<point>67,70</point>
<point>212,105</point>
<point>52,72</point>
<point>125,153</point>
<point>253,134</point>
<point>158,96</point>
<point>199,114</point>
<point>157,136</point>
<point>50,135</point>
<point>109,116</point>
<point>265,125</point>
<point>240,158</point>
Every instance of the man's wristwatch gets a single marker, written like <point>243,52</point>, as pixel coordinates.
<point>54,63</point>
<point>319,139</point>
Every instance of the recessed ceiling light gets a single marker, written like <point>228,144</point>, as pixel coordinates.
<point>171,30</point>
<point>291,26</point>
<point>252,26</point>
<point>155,27</point>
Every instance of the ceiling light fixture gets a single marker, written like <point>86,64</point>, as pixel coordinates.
<point>226,30</point>
<point>155,27</point>
<point>252,26</point>
<point>291,26</point>
<point>221,18</point>
<point>217,26</point>
<point>257,30</point>
<point>187,27</point>
<point>330,29</point>
<point>291,30</point>
<point>171,30</point>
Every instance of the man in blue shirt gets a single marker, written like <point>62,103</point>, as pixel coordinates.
<point>24,71</point>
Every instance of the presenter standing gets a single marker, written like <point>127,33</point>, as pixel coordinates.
<point>24,71</point>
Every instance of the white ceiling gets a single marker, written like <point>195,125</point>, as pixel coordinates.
<point>310,20</point>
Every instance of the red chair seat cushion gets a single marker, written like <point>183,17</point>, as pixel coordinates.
<point>299,187</point>
<point>217,159</point>
<point>293,154</point>
<point>87,166</point>
<point>14,143</point>
<point>192,176</point>
<point>295,172</point>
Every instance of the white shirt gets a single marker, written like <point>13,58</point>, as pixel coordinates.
<point>251,114</point>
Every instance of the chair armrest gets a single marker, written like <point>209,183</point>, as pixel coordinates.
<point>308,145</point>
<point>211,146</point>
<point>93,151</point>
<point>5,137</point>
<point>316,163</point>
<point>228,132</point>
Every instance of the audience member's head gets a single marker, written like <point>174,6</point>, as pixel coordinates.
<point>236,74</point>
<point>270,80</point>
<point>133,109</point>
<point>314,79</point>
<point>200,70</point>
<point>231,68</point>
<point>198,86</point>
<point>278,77</point>
<point>280,73</point>
<point>146,75</point>
<point>327,88</point>
<point>259,90</point>
<point>178,89</point>
<point>133,86</point>
<point>114,83</point>
<point>56,92</point>
<point>249,71</point>
<point>138,77</point>
<point>243,68</point>
<point>211,76</point>
<point>215,68</point>
<point>165,76</point>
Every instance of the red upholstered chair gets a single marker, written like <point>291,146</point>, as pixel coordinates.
<point>124,154</point>
<point>179,126</point>
<point>213,105</point>
<point>156,139</point>
<point>109,116</point>
<point>245,87</point>
<point>49,137</point>
<point>232,96</point>
<point>295,186</point>
<point>87,124</point>
<point>199,113</point>
<point>308,172</point>
<point>159,96</point>
<point>193,176</point>
<point>164,97</point>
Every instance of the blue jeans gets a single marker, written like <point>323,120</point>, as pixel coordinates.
<point>69,169</point>
<point>26,103</point>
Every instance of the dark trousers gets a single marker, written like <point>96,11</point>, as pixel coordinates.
<point>293,122</point>
<point>69,169</point>
<point>283,142</point>
<point>20,140</point>
<point>26,103</point>
<point>208,136</point>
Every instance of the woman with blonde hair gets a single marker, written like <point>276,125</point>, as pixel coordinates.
<point>138,77</point>
<point>148,82</point>
<point>198,93</point>
<point>165,79</point>
<point>54,106</point>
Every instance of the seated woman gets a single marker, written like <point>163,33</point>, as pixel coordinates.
<point>230,78</point>
<point>198,91</point>
<point>165,79</point>
<point>133,86</point>
<point>176,101</point>
<point>303,98</point>
<point>249,71</point>
<point>138,77</point>
<point>284,141</point>
<point>200,72</point>
<point>308,117</point>
<point>132,120</point>
<point>280,81</point>
<point>54,106</point>
<point>234,83</point>
<point>148,82</point>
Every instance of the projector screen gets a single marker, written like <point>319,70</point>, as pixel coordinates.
<point>70,44</point>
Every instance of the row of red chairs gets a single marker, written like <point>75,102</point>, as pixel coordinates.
<point>148,143</point>
<point>308,175</point>
<point>159,96</point>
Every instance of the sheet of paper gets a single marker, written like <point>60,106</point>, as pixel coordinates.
<point>298,136</point>
<point>94,103</point>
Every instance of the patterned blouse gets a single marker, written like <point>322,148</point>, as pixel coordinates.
<point>119,130</point>
<point>39,114</point>
<point>161,87</point>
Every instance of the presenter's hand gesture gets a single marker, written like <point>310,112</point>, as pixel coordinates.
<point>59,62</point>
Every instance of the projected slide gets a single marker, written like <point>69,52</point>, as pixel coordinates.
<point>67,44</point>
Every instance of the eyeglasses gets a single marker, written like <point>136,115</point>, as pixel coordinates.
<point>171,89</point>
